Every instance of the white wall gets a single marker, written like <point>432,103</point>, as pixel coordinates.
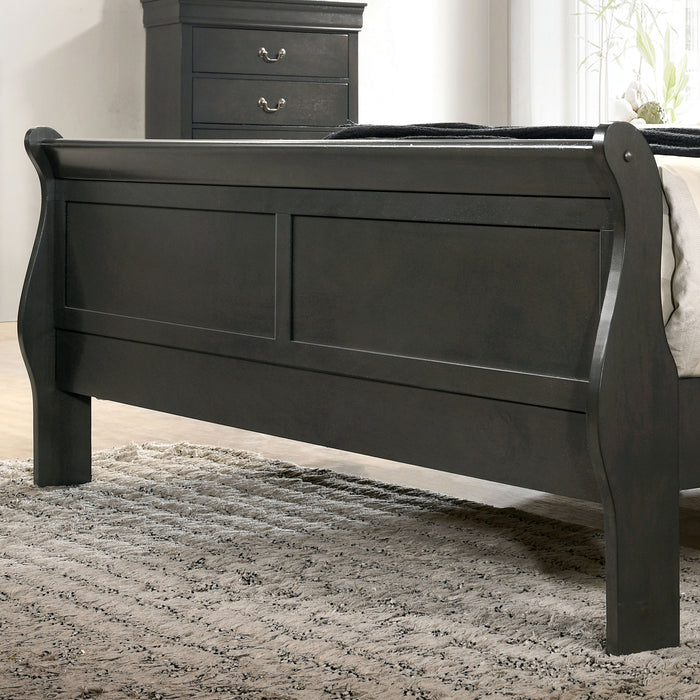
<point>424,61</point>
<point>78,66</point>
<point>74,65</point>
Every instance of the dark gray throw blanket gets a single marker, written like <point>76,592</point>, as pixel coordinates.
<point>669,141</point>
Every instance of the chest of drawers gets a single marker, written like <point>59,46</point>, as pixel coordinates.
<point>250,68</point>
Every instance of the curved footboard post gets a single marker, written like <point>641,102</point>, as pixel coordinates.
<point>633,411</point>
<point>61,420</point>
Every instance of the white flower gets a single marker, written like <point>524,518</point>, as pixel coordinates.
<point>621,111</point>
<point>635,95</point>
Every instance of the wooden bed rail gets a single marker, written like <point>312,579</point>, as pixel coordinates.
<point>489,308</point>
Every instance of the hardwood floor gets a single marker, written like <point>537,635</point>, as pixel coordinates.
<point>116,424</point>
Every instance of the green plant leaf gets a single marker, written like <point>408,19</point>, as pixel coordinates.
<point>605,7</point>
<point>646,48</point>
<point>669,75</point>
<point>679,93</point>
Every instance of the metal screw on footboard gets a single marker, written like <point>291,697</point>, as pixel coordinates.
<point>628,156</point>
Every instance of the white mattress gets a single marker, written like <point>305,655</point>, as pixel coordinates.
<point>680,260</point>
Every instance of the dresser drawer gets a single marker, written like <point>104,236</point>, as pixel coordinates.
<point>217,50</point>
<point>229,101</point>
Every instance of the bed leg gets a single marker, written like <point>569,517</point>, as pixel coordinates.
<point>633,442</point>
<point>642,568</point>
<point>62,441</point>
<point>633,410</point>
<point>62,446</point>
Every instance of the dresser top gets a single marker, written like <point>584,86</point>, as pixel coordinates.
<point>334,15</point>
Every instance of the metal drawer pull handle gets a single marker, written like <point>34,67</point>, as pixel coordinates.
<point>262,103</point>
<point>262,52</point>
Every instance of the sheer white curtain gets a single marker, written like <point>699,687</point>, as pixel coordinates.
<point>542,38</point>
<point>534,60</point>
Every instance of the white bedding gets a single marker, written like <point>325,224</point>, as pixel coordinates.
<point>680,260</point>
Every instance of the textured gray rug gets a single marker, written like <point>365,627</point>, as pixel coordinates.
<point>188,572</point>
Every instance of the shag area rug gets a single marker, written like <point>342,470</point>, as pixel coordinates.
<point>189,572</point>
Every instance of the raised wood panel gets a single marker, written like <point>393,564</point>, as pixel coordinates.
<point>448,292</point>
<point>128,261</point>
<point>358,360</point>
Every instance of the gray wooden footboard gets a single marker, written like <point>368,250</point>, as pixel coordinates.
<point>486,308</point>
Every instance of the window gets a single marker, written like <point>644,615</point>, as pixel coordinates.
<point>654,42</point>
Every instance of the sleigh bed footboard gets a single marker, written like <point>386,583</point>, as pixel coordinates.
<point>487,308</point>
